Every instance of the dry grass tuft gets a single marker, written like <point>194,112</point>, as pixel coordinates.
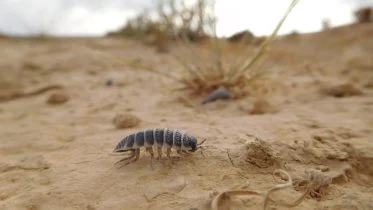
<point>170,21</point>
<point>197,74</point>
<point>202,77</point>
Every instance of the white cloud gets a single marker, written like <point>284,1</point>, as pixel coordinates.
<point>261,17</point>
<point>80,21</point>
<point>96,17</point>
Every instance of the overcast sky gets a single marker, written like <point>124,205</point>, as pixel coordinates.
<point>96,17</point>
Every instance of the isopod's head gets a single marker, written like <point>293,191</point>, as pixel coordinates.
<point>192,144</point>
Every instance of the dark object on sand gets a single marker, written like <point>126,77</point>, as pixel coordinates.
<point>220,93</point>
<point>342,90</point>
<point>58,98</point>
<point>109,82</point>
<point>364,15</point>
<point>242,35</point>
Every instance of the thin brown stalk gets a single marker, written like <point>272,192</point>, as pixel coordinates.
<point>183,59</point>
<point>232,77</point>
<point>188,65</point>
<point>185,43</point>
<point>240,54</point>
<point>188,45</point>
<point>194,69</point>
<point>216,48</point>
<point>230,158</point>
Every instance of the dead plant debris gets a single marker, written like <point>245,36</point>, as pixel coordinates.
<point>261,154</point>
<point>223,198</point>
<point>126,120</point>
<point>200,76</point>
<point>7,96</point>
<point>262,106</point>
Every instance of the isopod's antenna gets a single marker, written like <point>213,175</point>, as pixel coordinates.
<point>202,142</point>
<point>200,147</point>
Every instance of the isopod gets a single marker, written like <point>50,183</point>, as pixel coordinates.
<point>158,138</point>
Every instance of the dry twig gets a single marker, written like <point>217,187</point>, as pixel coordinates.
<point>226,195</point>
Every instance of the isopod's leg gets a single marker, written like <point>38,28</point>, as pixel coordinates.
<point>127,158</point>
<point>180,152</point>
<point>186,152</point>
<point>137,154</point>
<point>183,152</point>
<point>150,150</point>
<point>169,154</point>
<point>134,157</point>
<point>159,151</point>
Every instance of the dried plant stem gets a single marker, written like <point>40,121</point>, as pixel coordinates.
<point>230,159</point>
<point>217,201</point>
<point>188,66</point>
<point>240,57</point>
<point>216,48</point>
<point>183,59</point>
<point>234,75</point>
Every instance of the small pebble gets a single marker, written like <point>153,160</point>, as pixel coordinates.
<point>323,168</point>
<point>57,98</point>
<point>34,162</point>
<point>109,82</point>
<point>262,106</point>
<point>343,90</point>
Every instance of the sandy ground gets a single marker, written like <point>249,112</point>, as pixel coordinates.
<point>56,155</point>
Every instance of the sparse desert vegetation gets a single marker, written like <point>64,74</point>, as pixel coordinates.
<point>294,132</point>
<point>207,69</point>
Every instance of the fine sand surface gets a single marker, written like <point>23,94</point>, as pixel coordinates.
<point>314,116</point>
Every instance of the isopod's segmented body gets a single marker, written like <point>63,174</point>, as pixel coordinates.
<point>157,138</point>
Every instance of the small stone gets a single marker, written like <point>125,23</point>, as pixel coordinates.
<point>323,168</point>
<point>44,181</point>
<point>57,98</point>
<point>90,207</point>
<point>109,82</point>
<point>126,120</point>
<point>343,90</point>
<point>66,139</point>
<point>262,107</point>
<point>34,162</point>
<point>242,35</point>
